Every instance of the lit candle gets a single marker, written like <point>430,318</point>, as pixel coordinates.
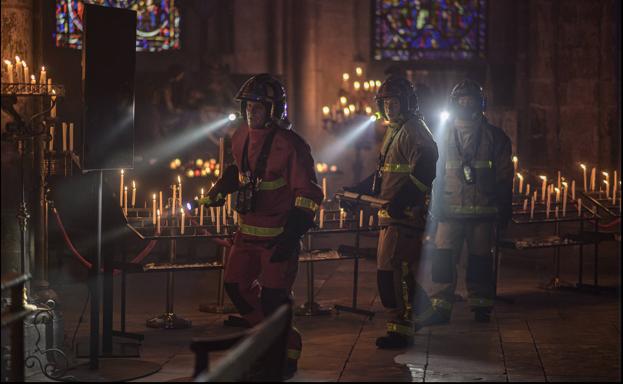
<point>121,189</point>
<point>520,182</point>
<point>153,208</point>
<point>360,218</point>
<point>158,221</point>
<point>371,220</point>
<point>9,70</point>
<point>572,189</point>
<point>160,197</point>
<point>42,76</point>
<point>53,104</point>
<point>201,209</point>
<point>71,136</point>
<point>26,73</point>
<point>133,194</point>
<point>50,85</point>
<point>173,200</point>
<point>341,217</point>
<point>579,207</point>
<point>515,163</point>
<point>212,215</point>
<point>584,172</point>
<point>33,84</point>
<point>18,69</point>
<point>557,194</point>
<point>359,71</point>
<point>64,130</point>
<point>324,188</point>
<point>543,187</point>
<point>326,110</point>
<point>218,219</point>
<point>182,221</point>
<point>525,205</point>
<point>125,201</point>
<point>179,181</point>
<point>607,182</point>
<point>356,85</point>
<point>235,218</point>
<point>565,192</point>
<point>229,204</point>
<point>321,218</point>
<point>52,149</point>
<point>528,189</point>
<point>593,179</point>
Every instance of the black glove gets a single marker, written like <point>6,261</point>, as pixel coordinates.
<point>408,195</point>
<point>287,244</point>
<point>227,184</point>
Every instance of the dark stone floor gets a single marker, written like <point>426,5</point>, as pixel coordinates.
<point>545,335</point>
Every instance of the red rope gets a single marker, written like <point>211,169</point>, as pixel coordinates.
<point>146,251</point>
<point>610,224</point>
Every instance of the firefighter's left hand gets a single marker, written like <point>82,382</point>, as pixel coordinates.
<point>286,247</point>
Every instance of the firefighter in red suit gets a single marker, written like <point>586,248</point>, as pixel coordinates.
<point>277,196</point>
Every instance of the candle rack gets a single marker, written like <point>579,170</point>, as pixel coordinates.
<point>29,89</point>
<point>61,163</point>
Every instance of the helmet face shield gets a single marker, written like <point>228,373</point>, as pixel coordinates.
<point>467,99</point>
<point>400,88</point>
<point>265,89</point>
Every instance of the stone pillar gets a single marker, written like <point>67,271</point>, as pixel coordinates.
<point>16,32</point>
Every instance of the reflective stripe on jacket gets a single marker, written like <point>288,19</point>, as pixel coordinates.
<point>411,158</point>
<point>493,172</point>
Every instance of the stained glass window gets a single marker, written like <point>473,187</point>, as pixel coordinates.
<point>429,29</point>
<point>157,27</point>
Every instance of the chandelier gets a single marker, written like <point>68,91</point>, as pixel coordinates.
<point>355,100</point>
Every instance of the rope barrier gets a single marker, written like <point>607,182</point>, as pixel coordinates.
<point>146,251</point>
<point>610,224</point>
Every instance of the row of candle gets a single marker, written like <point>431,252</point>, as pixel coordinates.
<point>19,73</point>
<point>65,136</point>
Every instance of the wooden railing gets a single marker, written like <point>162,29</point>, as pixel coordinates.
<point>263,346</point>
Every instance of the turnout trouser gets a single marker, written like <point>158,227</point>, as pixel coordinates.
<point>398,262</point>
<point>257,286</point>
<point>480,272</point>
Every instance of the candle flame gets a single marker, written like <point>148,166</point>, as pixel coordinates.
<point>17,59</point>
<point>125,188</point>
<point>157,212</point>
<point>564,183</point>
<point>343,100</point>
<point>122,171</point>
<point>519,175</point>
<point>179,180</point>
<point>345,76</point>
<point>605,174</point>
<point>606,182</point>
<point>515,159</point>
<point>357,85</point>
<point>358,71</point>
<point>326,110</point>
<point>583,166</point>
<point>134,185</point>
<point>154,196</point>
<point>7,62</point>
<point>32,77</point>
<point>202,191</point>
<point>182,210</point>
<point>543,177</point>
<point>43,68</point>
<point>557,190</point>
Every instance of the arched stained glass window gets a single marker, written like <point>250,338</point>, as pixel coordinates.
<point>429,29</point>
<point>157,27</point>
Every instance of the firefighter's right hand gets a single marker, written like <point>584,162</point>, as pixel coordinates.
<point>208,201</point>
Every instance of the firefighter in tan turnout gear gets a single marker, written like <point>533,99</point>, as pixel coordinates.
<point>472,194</point>
<point>404,176</point>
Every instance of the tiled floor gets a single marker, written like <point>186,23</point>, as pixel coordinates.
<point>545,335</point>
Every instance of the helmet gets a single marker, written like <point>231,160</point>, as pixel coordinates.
<point>400,87</point>
<point>468,87</point>
<point>266,89</point>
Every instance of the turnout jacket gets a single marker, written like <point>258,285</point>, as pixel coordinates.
<point>410,157</point>
<point>289,180</point>
<point>490,196</point>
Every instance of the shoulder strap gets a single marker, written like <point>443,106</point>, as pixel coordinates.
<point>260,165</point>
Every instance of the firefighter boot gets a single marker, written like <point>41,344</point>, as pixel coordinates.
<point>482,315</point>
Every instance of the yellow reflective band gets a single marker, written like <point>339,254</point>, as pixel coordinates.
<point>401,329</point>
<point>450,164</point>
<point>421,186</point>
<point>405,291</point>
<point>272,185</point>
<point>294,354</point>
<point>472,209</point>
<point>304,202</point>
<point>260,231</point>
<point>439,303</point>
<point>479,302</point>
<point>383,214</point>
<point>396,168</point>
